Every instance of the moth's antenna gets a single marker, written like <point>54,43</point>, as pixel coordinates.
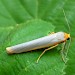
<point>69,30</point>
<point>66,20</point>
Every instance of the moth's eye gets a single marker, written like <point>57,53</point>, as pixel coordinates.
<point>68,38</point>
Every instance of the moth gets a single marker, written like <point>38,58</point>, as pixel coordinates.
<point>51,41</point>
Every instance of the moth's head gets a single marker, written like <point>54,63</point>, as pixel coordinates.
<point>67,36</point>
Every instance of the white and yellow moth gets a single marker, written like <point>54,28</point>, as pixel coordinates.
<point>43,42</point>
<point>48,41</point>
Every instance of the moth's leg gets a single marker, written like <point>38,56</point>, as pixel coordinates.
<point>63,51</point>
<point>51,33</point>
<point>45,51</point>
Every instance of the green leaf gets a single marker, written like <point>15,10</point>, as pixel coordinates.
<point>25,20</point>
